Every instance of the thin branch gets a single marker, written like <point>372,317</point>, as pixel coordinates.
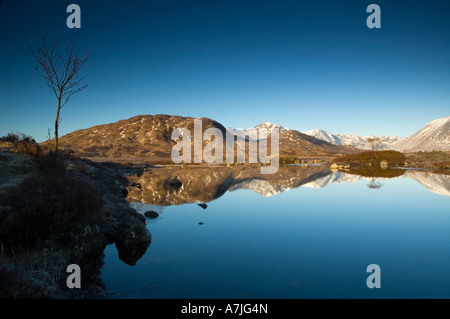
<point>59,73</point>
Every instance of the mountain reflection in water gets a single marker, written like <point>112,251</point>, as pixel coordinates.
<point>204,184</point>
<point>288,235</point>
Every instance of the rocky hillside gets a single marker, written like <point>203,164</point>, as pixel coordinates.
<point>300,145</point>
<point>143,137</point>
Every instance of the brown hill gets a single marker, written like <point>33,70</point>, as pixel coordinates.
<point>300,145</point>
<point>147,139</point>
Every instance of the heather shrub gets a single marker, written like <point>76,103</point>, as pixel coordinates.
<point>433,156</point>
<point>26,147</point>
<point>50,164</point>
<point>22,143</point>
<point>43,205</point>
<point>373,158</point>
<point>11,137</point>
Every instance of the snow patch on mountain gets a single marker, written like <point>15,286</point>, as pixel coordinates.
<point>259,186</point>
<point>333,178</point>
<point>254,132</point>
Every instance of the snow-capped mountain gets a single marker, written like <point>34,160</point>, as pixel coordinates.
<point>293,142</point>
<point>433,136</point>
<point>253,132</point>
<point>361,142</point>
<point>269,126</point>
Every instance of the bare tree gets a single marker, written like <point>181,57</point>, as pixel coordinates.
<point>373,141</point>
<point>60,70</point>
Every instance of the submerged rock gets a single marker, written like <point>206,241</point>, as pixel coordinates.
<point>203,205</point>
<point>175,183</point>
<point>137,185</point>
<point>151,214</point>
<point>131,253</point>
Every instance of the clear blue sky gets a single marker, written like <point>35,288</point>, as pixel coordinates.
<point>301,64</point>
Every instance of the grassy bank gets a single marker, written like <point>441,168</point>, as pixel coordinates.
<point>438,161</point>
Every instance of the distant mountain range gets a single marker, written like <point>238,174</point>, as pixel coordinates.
<point>148,138</point>
<point>361,142</point>
<point>433,136</point>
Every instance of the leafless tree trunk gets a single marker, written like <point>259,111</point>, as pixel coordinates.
<point>60,71</point>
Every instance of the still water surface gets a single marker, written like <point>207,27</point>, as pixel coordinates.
<point>258,239</point>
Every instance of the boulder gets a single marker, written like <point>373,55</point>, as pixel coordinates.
<point>130,254</point>
<point>151,214</point>
<point>72,168</point>
<point>133,238</point>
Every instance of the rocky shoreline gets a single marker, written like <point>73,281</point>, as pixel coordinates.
<point>83,204</point>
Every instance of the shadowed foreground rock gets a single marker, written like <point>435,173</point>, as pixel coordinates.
<point>133,239</point>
